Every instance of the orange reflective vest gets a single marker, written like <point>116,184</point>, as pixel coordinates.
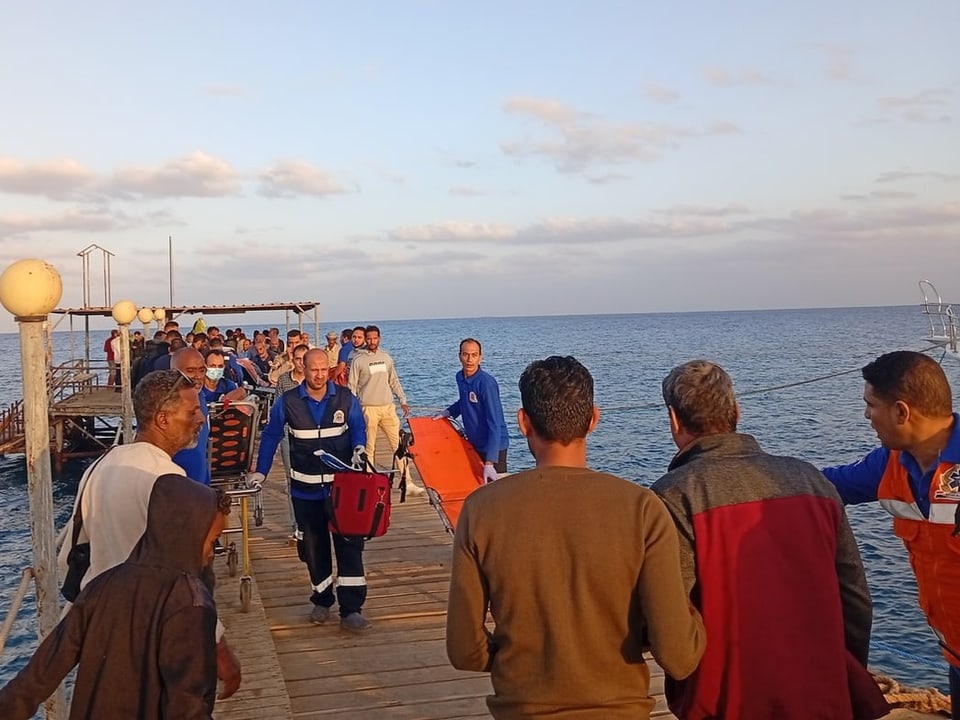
<point>934,551</point>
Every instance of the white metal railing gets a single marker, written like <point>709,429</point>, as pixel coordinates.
<point>944,323</point>
<point>15,604</point>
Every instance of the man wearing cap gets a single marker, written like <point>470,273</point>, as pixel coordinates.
<point>332,349</point>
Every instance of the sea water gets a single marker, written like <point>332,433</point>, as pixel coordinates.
<point>796,372</point>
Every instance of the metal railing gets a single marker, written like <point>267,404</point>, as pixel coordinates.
<point>15,604</point>
<point>942,317</point>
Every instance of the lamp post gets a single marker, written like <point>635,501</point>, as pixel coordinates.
<point>125,312</point>
<point>146,317</point>
<point>160,315</point>
<point>30,290</point>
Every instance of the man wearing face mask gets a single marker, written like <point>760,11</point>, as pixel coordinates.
<point>217,388</point>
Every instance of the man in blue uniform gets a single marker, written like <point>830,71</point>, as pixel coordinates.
<point>482,412</point>
<point>194,459</point>
<point>321,416</point>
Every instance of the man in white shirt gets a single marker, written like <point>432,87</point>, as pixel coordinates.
<point>115,493</point>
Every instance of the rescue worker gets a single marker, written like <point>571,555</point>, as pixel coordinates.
<point>915,475</point>
<point>320,416</point>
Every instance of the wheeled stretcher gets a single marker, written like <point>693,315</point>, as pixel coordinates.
<point>233,433</point>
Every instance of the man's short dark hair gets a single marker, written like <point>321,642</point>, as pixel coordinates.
<point>473,340</point>
<point>915,378</point>
<point>213,351</point>
<point>346,332</point>
<point>293,333</point>
<point>361,328</point>
<point>371,328</point>
<point>557,397</point>
<point>702,396</point>
<point>201,336</point>
<point>155,391</point>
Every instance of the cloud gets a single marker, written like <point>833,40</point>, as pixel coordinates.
<point>729,78</point>
<point>839,66</point>
<point>904,175</point>
<point>873,222</point>
<point>578,141</point>
<point>660,94</point>
<point>91,220</point>
<point>56,179</point>
<point>705,210</point>
<point>880,196</point>
<point>290,178</point>
<point>927,106</point>
<point>464,191</point>
<point>196,175</point>
<point>563,231</point>
<point>224,90</point>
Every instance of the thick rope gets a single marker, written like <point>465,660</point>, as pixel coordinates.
<point>926,700</point>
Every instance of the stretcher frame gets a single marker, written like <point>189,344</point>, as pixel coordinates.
<point>229,471</point>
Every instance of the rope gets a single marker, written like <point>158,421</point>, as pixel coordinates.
<point>760,391</point>
<point>886,647</point>
<point>926,700</point>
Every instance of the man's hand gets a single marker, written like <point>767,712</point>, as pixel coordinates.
<point>359,453</point>
<point>406,409</point>
<point>255,480</point>
<point>441,415</point>
<point>228,669</point>
<point>490,473</point>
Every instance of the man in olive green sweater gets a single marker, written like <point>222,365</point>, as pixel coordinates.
<point>579,570</point>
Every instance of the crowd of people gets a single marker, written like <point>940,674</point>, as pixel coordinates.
<point>737,570</point>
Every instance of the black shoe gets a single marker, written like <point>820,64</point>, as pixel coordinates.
<point>319,615</point>
<point>354,622</point>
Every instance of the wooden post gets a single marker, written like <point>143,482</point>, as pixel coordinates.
<point>40,485</point>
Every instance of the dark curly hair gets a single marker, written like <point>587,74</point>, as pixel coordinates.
<point>557,397</point>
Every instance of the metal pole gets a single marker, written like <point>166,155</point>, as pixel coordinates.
<point>40,485</point>
<point>170,264</point>
<point>127,400</point>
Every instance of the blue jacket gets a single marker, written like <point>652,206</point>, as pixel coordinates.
<point>194,460</point>
<point>273,432</point>
<point>482,412</point>
<point>860,481</point>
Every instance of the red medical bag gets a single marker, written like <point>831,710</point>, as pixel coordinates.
<point>359,504</point>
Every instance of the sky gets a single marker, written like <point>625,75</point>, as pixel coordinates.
<point>398,159</point>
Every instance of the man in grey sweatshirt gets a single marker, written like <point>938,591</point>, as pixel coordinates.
<point>373,379</point>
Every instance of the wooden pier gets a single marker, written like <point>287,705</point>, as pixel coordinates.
<point>397,669</point>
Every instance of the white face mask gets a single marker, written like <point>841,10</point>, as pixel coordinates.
<point>215,373</point>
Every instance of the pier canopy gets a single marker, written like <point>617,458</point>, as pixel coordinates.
<point>299,308</point>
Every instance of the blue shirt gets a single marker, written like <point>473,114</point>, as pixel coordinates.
<point>223,386</point>
<point>194,460</point>
<point>273,432</point>
<point>482,412</point>
<point>860,482</point>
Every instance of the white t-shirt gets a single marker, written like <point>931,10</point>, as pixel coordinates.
<point>115,498</point>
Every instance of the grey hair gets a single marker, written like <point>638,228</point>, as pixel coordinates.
<point>155,392</point>
<point>702,396</point>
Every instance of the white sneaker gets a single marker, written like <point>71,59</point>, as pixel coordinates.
<point>414,489</point>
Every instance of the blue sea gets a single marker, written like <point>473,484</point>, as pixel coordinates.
<point>796,372</point>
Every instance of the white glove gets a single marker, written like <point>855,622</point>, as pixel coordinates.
<point>440,415</point>
<point>358,452</point>
<point>255,480</point>
<point>490,473</point>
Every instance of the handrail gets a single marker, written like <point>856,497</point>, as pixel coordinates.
<point>943,321</point>
<point>15,603</point>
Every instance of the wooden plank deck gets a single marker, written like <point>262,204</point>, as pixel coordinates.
<point>100,400</point>
<point>397,669</point>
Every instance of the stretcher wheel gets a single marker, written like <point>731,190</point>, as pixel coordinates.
<point>258,515</point>
<point>232,560</point>
<point>246,593</point>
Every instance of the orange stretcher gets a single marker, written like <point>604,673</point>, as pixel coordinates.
<point>448,465</point>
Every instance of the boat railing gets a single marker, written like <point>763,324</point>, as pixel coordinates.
<point>944,323</point>
<point>15,603</point>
